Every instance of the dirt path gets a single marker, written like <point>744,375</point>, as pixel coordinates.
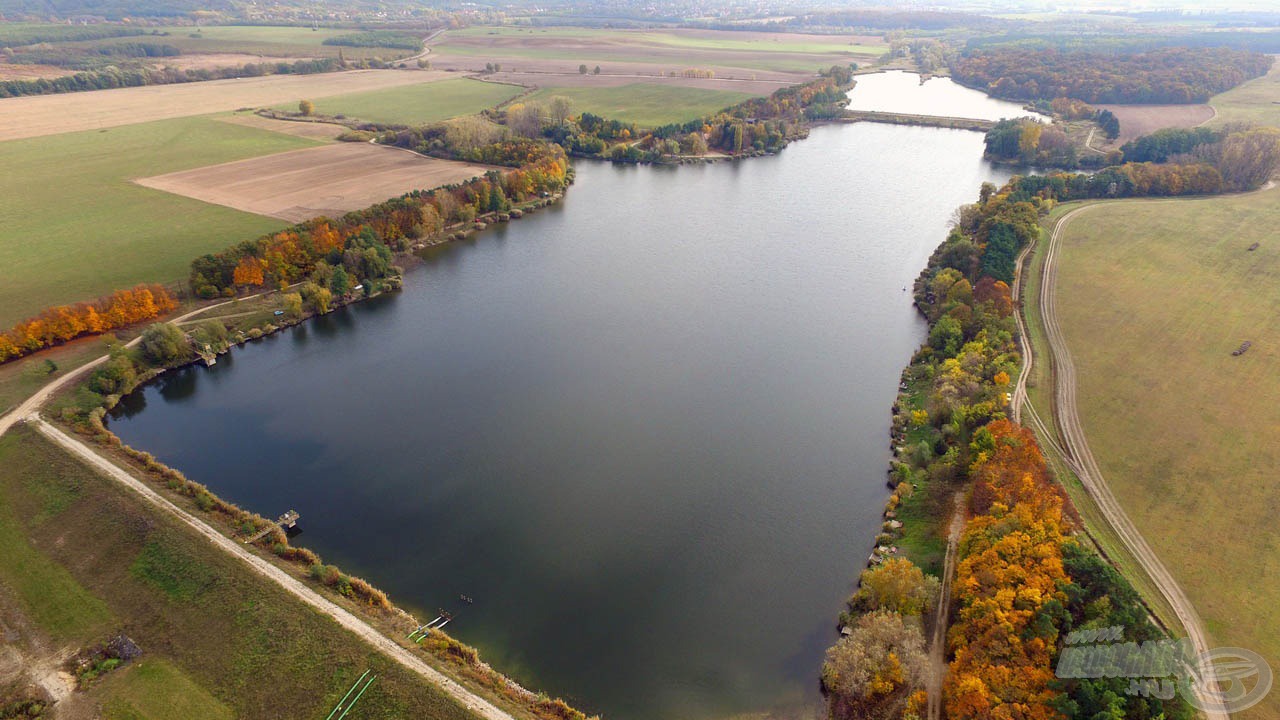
<point>938,645</point>
<point>1077,454</point>
<point>33,403</point>
<point>292,585</point>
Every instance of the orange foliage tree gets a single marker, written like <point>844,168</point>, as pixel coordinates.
<point>65,322</point>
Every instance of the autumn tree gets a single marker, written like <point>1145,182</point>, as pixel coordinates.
<point>306,107</point>
<point>896,585</point>
<point>871,671</point>
<point>560,109</point>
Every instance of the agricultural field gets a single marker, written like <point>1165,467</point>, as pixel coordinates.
<point>1187,435</point>
<point>1139,120</point>
<point>416,104</point>
<point>1257,101</point>
<point>218,641</point>
<point>38,115</point>
<point>330,180</point>
<point>646,104</point>
<point>732,54</point>
<point>74,226</point>
<point>256,41</point>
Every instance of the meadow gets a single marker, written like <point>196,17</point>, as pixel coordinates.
<point>73,225</point>
<point>646,104</point>
<point>1187,435</point>
<point>416,104</point>
<point>1257,101</point>
<point>268,41</point>
<point>218,641</point>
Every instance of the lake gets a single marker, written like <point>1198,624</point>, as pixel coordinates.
<point>897,91</point>
<point>645,429</point>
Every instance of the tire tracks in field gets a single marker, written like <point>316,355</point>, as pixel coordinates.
<point>1075,450</point>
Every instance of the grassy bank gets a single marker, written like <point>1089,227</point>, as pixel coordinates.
<point>218,640</point>
<point>1187,434</point>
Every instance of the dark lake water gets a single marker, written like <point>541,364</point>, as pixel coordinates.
<point>646,430</point>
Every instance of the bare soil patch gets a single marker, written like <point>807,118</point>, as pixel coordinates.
<point>31,72</point>
<point>311,130</point>
<point>69,112</point>
<point>1139,120</point>
<point>209,61</point>
<point>330,180</point>
<point>550,78</point>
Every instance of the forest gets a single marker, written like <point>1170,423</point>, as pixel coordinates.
<point>1172,75</point>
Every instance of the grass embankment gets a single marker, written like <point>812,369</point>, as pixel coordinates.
<point>1257,101</point>
<point>75,227</point>
<point>645,104</point>
<point>1154,297</point>
<point>83,558</point>
<point>20,379</point>
<point>415,104</point>
<point>1040,396</point>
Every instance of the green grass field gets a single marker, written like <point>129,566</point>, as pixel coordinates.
<point>73,226</point>
<point>270,41</point>
<point>1154,296</point>
<point>416,104</point>
<point>646,104</point>
<point>1257,101</point>
<point>85,558</point>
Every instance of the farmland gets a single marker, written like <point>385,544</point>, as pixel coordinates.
<point>218,640</point>
<point>646,104</point>
<point>1139,120</point>
<point>330,180</point>
<point>1257,101</point>
<point>50,114</point>
<point>650,52</point>
<point>1187,435</point>
<point>416,104</point>
<point>75,226</point>
<point>257,41</point>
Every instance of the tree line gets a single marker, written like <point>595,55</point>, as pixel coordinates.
<point>392,39</point>
<point>1023,582</point>
<point>332,256</point>
<point>59,324</point>
<point>1174,75</point>
<point>113,77</point>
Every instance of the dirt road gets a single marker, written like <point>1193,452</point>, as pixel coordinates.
<point>382,643</point>
<point>938,646</point>
<point>1075,446</point>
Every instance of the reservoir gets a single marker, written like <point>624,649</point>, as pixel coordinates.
<point>645,429</point>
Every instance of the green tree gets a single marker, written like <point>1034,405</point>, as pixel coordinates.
<point>596,71</point>
<point>582,69</point>
<point>947,336</point>
<point>164,344</point>
<point>1001,252</point>
<point>340,281</point>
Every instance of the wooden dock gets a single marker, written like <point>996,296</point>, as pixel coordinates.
<point>285,521</point>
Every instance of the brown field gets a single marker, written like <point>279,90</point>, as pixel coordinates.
<point>31,72</point>
<point>330,180</point>
<point>34,116</point>
<point>309,130</point>
<point>549,78</point>
<point>209,61</point>
<point>1139,120</point>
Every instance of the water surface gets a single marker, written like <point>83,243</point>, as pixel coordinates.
<point>645,430</point>
<point>902,92</point>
